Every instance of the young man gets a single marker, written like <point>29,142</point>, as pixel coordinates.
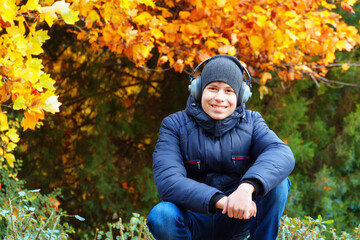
<point>221,173</point>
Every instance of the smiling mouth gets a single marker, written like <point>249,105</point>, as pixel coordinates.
<point>217,106</point>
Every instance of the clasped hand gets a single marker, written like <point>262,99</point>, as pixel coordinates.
<point>239,204</point>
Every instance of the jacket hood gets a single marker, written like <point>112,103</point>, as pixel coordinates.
<point>214,127</point>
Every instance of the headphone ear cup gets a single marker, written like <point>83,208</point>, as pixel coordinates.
<point>245,94</point>
<point>195,88</point>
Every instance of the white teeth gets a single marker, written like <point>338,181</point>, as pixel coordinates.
<point>214,106</point>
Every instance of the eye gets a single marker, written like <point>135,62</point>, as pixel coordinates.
<point>211,88</point>
<point>230,90</point>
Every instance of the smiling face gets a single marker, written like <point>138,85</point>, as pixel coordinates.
<point>218,100</point>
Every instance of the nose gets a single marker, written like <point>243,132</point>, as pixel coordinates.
<point>220,96</point>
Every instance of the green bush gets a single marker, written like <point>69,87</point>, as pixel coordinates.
<point>309,228</point>
<point>135,229</point>
<point>27,214</point>
<point>290,228</point>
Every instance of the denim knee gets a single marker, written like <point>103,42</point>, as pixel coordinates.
<point>163,218</point>
<point>279,195</point>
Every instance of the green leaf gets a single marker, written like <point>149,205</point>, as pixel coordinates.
<point>32,198</point>
<point>329,222</point>
<point>19,103</point>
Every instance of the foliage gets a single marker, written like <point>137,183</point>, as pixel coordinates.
<point>309,228</point>
<point>136,229</point>
<point>287,38</point>
<point>322,134</point>
<point>290,228</point>
<point>99,148</point>
<point>26,214</point>
<point>24,86</point>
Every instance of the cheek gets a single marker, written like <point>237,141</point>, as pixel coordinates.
<point>233,101</point>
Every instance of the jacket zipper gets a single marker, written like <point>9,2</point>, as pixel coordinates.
<point>238,158</point>
<point>193,162</point>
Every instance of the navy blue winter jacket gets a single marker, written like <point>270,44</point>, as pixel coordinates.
<point>196,156</point>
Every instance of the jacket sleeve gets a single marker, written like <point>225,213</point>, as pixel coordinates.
<point>170,174</point>
<point>274,160</point>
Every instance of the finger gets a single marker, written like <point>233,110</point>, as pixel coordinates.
<point>247,215</point>
<point>230,211</point>
<point>251,213</point>
<point>225,207</point>
<point>255,208</point>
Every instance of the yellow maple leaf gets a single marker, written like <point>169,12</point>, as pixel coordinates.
<point>12,134</point>
<point>8,10</point>
<point>11,146</point>
<point>48,16</point>
<point>143,18</point>
<point>31,5</point>
<point>70,17</point>
<point>256,42</point>
<point>156,33</point>
<point>47,82</point>
<point>19,103</point>
<point>10,158</point>
<point>3,122</point>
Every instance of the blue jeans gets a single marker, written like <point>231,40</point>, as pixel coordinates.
<point>167,221</point>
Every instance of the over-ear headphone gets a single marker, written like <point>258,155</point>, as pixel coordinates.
<point>244,92</point>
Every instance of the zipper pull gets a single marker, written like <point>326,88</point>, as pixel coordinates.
<point>233,158</point>
<point>198,162</point>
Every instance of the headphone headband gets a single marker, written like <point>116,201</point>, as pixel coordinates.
<point>247,80</point>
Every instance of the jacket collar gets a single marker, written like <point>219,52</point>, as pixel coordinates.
<point>214,127</point>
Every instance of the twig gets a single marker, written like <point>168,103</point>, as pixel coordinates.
<point>11,218</point>
<point>313,78</point>
<point>56,221</point>
<point>121,231</point>
<point>47,222</point>
<point>140,232</point>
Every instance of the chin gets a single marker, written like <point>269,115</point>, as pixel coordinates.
<point>218,116</point>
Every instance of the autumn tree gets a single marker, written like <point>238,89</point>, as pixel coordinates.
<point>24,86</point>
<point>285,40</point>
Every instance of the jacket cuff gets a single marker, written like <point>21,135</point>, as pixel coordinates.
<point>212,204</point>
<point>259,189</point>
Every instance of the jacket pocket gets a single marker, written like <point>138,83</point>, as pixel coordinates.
<point>241,163</point>
<point>195,169</point>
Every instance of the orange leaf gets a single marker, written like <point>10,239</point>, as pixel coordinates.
<point>54,203</point>
<point>266,76</point>
<point>30,120</point>
<point>184,15</point>
<point>347,7</point>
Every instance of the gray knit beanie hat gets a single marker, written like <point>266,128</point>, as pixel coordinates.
<point>222,69</point>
